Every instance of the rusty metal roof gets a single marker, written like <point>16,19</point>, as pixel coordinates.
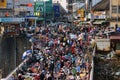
<point>102,5</point>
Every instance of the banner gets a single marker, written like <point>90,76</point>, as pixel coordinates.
<point>3,4</point>
<point>103,44</point>
<point>56,11</point>
<point>9,20</point>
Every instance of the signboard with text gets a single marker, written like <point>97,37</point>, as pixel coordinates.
<point>103,44</point>
<point>39,8</point>
<point>9,20</point>
<point>56,11</point>
<point>3,4</point>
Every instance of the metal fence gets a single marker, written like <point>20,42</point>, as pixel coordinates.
<point>92,65</point>
<point>14,71</point>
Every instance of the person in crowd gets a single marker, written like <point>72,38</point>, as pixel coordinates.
<point>56,55</point>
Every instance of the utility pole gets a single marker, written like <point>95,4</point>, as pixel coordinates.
<point>110,9</point>
<point>90,2</point>
<point>86,8</point>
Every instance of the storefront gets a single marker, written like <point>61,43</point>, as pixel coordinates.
<point>31,21</point>
<point>101,22</point>
<point>11,25</point>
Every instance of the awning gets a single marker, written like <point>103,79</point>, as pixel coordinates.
<point>115,37</point>
<point>85,22</point>
<point>98,22</point>
<point>12,20</point>
<point>31,17</point>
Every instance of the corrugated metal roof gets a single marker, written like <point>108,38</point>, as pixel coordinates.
<point>102,5</point>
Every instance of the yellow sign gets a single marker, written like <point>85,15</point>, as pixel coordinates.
<point>37,13</point>
<point>78,11</point>
<point>81,12</point>
<point>82,19</point>
<point>3,3</point>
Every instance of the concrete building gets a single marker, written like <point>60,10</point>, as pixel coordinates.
<point>72,7</point>
<point>17,8</point>
<point>63,5</point>
<point>4,9</point>
<point>111,10</point>
<point>22,8</point>
<point>69,6</point>
<point>115,12</point>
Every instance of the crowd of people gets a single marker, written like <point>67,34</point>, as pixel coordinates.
<point>58,53</point>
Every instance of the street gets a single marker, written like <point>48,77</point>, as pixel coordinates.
<point>59,39</point>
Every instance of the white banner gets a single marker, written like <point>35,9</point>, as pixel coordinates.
<point>103,44</point>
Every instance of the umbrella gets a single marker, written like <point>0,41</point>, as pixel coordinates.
<point>26,53</point>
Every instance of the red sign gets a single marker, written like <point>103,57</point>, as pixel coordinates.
<point>29,5</point>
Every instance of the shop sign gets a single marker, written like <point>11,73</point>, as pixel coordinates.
<point>3,3</point>
<point>103,44</point>
<point>12,20</point>
<point>31,17</point>
<point>56,11</point>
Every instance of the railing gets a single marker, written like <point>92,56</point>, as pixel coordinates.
<point>14,71</point>
<point>92,65</point>
<point>91,76</point>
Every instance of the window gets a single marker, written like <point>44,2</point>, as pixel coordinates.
<point>114,9</point>
<point>119,9</point>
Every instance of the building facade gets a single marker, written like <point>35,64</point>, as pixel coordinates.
<point>111,9</point>
<point>72,6</point>
<point>69,6</point>
<point>16,8</point>
<point>4,9</point>
<point>115,12</point>
<point>23,8</point>
<point>63,5</point>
